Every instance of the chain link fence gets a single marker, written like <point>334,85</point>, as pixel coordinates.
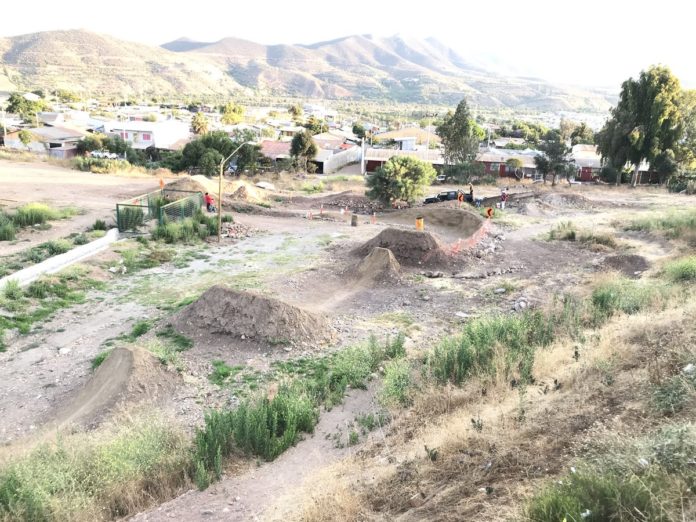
<point>162,205</point>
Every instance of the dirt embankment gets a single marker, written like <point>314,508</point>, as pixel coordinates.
<point>127,376</point>
<point>252,317</point>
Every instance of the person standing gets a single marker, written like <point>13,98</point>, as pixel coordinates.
<point>503,199</point>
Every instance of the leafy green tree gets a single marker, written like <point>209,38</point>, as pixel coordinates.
<point>460,135</point>
<point>582,134</point>
<point>567,127</point>
<point>25,137</point>
<point>303,149</point>
<point>27,109</point>
<point>315,125</point>
<point>400,178</point>
<point>116,145</point>
<point>556,151</point>
<point>465,172</point>
<point>543,166</point>
<point>646,122</point>
<point>210,162</point>
<point>295,110</point>
<point>66,96</point>
<point>90,142</point>
<point>686,150</point>
<point>199,124</point>
<point>248,158</point>
<point>515,165</point>
<point>232,113</point>
<point>359,130</point>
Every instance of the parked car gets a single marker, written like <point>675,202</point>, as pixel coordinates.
<point>431,199</point>
<point>441,178</point>
<point>447,195</point>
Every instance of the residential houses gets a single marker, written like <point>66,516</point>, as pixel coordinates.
<point>57,142</point>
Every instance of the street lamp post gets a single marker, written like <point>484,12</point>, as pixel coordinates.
<point>222,166</point>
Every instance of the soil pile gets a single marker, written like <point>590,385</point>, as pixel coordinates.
<point>127,376</point>
<point>253,317</point>
<point>410,247</point>
<point>378,266</point>
<point>628,264</point>
<point>186,184</point>
<point>451,223</point>
<point>242,191</point>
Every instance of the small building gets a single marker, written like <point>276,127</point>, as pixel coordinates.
<point>275,150</point>
<point>143,134</point>
<point>495,161</point>
<point>287,132</point>
<point>57,142</point>
<point>375,158</point>
<point>588,161</point>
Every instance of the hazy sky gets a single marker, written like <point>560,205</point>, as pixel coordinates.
<point>594,42</point>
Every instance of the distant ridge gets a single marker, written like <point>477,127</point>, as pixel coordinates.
<point>397,68</point>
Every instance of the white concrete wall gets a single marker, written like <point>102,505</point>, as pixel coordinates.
<point>340,160</point>
<point>57,263</point>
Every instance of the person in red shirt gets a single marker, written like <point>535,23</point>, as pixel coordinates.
<point>209,202</point>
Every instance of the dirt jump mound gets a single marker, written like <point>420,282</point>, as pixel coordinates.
<point>253,317</point>
<point>451,223</point>
<point>186,184</point>
<point>409,247</point>
<point>378,266</point>
<point>127,376</point>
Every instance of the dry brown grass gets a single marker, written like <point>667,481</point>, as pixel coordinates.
<point>526,436</point>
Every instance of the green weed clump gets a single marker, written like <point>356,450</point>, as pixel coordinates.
<point>58,246</point>
<point>8,232</point>
<point>12,290</point>
<point>682,270</point>
<point>99,224</point>
<point>474,351</point>
<point>178,341</point>
<point>34,214</point>
<point>96,476</point>
<point>100,358</point>
<point>222,372</point>
<point>397,387</point>
<point>140,328</point>
<point>189,230</point>
<point>648,478</point>
<point>627,296</point>
<point>564,231</point>
<point>675,224</point>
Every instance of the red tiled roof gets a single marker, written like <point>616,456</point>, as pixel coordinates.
<point>275,149</point>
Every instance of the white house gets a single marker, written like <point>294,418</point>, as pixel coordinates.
<point>169,135</point>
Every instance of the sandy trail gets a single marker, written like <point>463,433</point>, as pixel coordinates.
<point>249,495</point>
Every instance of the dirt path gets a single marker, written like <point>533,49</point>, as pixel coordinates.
<point>247,496</point>
<point>95,195</point>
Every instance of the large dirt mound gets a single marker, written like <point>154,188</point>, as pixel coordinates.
<point>243,191</point>
<point>127,376</point>
<point>186,183</point>
<point>410,247</point>
<point>452,223</point>
<point>378,266</point>
<point>253,317</point>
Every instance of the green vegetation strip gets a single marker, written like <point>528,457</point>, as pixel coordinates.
<point>41,299</point>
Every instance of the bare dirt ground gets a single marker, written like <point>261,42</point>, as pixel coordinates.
<point>95,195</point>
<point>306,263</point>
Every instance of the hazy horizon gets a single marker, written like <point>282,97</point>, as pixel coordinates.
<point>555,41</point>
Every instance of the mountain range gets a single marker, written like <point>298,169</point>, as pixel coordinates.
<point>357,67</point>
